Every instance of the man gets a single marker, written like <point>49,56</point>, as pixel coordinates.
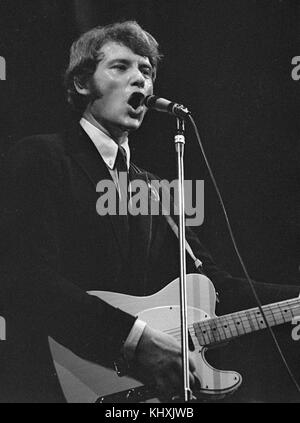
<point>58,247</point>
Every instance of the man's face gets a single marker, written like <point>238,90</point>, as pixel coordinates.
<point>119,74</point>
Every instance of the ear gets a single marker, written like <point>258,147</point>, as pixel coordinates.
<point>81,87</point>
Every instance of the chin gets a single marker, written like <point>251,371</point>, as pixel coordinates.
<point>133,125</point>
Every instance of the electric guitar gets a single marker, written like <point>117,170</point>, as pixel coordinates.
<point>86,382</point>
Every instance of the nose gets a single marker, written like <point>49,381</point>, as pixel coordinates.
<point>138,79</point>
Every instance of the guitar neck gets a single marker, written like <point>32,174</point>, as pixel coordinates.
<point>233,325</point>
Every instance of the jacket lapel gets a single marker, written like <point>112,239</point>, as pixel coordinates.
<point>84,153</point>
<point>140,231</point>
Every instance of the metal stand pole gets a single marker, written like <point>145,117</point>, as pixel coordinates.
<point>179,146</point>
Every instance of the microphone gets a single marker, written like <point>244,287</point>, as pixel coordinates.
<point>163,105</point>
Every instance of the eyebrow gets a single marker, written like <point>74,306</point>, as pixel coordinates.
<point>128,62</point>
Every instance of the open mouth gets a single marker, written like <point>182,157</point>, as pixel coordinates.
<point>136,100</point>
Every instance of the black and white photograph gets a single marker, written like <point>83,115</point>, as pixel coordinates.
<point>149,204</point>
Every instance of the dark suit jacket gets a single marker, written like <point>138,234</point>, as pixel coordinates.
<point>55,247</point>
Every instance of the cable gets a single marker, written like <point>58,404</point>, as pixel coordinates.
<point>240,258</point>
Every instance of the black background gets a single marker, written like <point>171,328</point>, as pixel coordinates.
<point>230,63</point>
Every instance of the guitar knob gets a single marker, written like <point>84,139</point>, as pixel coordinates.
<point>130,394</point>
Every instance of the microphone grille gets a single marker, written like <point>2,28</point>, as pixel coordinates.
<point>150,101</point>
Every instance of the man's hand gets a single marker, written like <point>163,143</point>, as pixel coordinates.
<point>158,361</point>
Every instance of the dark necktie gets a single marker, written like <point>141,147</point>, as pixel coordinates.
<point>121,166</point>
<point>121,160</point>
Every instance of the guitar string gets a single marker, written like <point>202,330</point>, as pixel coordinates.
<point>253,313</point>
<point>240,317</point>
<point>210,327</point>
<point>255,317</point>
<point>213,331</point>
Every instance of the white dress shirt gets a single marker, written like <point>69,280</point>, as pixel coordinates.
<point>108,150</point>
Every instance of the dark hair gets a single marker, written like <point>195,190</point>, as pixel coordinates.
<point>84,54</point>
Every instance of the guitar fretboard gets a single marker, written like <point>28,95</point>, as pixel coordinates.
<point>233,325</point>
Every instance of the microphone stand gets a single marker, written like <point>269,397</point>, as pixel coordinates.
<point>179,146</point>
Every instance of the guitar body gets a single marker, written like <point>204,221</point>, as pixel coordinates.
<point>83,381</point>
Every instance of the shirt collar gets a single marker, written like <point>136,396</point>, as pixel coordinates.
<point>106,146</point>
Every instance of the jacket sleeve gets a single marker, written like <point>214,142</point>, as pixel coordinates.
<point>31,286</point>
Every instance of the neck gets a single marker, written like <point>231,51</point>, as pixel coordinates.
<point>116,134</point>
<point>233,325</point>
